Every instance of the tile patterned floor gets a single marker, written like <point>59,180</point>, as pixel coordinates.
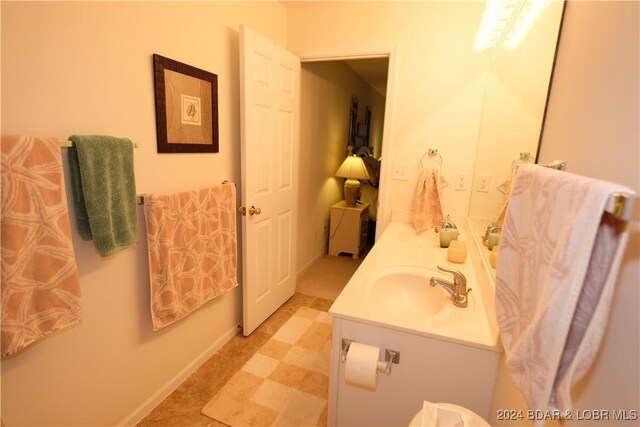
<point>286,382</point>
<point>182,407</point>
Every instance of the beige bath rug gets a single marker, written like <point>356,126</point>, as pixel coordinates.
<point>286,382</point>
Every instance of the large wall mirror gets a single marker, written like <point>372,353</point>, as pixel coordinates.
<point>517,88</point>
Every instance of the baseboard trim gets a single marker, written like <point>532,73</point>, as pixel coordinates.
<point>308,265</point>
<point>148,405</point>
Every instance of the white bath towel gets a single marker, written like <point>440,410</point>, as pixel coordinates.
<point>559,258</point>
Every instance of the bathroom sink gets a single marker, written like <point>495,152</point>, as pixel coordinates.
<point>404,293</point>
<point>391,290</point>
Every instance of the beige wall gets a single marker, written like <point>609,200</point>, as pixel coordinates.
<point>86,68</point>
<point>593,124</point>
<point>326,91</point>
<point>438,86</point>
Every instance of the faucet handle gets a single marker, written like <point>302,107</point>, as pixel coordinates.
<point>458,277</point>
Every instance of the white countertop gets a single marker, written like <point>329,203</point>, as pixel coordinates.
<point>400,246</point>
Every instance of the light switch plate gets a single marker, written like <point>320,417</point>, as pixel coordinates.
<point>399,172</point>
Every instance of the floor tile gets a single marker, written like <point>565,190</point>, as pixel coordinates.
<point>183,407</point>
<point>261,365</point>
<point>289,375</point>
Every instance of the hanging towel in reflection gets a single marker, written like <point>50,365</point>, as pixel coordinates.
<point>560,253</point>
<point>428,206</point>
<point>104,191</point>
<point>192,250</point>
<point>40,285</point>
<point>505,188</point>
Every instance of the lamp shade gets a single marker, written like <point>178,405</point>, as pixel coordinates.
<point>353,167</point>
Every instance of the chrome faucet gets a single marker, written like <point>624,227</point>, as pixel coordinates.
<point>446,224</point>
<point>457,289</point>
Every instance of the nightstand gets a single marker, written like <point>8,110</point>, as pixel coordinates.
<point>348,229</point>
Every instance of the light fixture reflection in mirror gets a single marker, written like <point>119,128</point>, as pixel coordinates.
<point>516,90</point>
<point>506,22</point>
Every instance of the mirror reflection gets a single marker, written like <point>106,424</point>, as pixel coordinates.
<point>516,91</point>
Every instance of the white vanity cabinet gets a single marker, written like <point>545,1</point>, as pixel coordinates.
<point>429,369</point>
<point>448,354</point>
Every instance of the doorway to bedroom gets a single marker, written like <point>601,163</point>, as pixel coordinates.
<point>342,112</point>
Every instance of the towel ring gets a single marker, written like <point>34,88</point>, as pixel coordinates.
<point>521,159</point>
<point>431,152</point>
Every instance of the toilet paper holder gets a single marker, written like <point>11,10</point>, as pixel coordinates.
<point>391,357</point>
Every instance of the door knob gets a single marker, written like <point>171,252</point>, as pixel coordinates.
<point>252,210</point>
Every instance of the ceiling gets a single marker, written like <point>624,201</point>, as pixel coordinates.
<point>373,71</point>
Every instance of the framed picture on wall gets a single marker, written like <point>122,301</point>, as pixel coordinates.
<point>353,122</point>
<point>367,125</point>
<point>186,107</point>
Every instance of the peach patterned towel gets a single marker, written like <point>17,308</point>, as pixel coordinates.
<point>560,253</point>
<point>40,284</point>
<point>192,250</point>
<point>428,207</point>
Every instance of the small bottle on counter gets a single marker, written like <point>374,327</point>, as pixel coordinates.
<point>457,251</point>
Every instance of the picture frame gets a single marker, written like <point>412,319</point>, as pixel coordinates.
<point>186,101</point>
<point>367,125</point>
<point>353,122</point>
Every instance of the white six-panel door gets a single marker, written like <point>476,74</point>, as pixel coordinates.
<point>270,103</point>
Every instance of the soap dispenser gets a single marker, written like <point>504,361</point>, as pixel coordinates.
<point>448,232</point>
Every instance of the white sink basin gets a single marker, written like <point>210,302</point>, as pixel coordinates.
<point>391,289</point>
<point>404,293</point>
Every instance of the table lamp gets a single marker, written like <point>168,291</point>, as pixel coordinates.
<point>353,169</point>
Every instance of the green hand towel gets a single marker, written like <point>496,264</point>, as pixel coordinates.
<point>104,191</point>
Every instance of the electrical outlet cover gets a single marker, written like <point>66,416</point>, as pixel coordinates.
<point>484,181</point>
<point>461,182</point>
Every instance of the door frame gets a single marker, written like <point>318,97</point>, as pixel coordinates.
<point>384,208</point>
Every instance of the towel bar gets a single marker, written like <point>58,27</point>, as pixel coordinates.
<point>620,205</point>
<point>69,144</point>
<point>140,197</point>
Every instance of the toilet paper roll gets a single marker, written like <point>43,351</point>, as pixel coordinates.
<point>361,367</point>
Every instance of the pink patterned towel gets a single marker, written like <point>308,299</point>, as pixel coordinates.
<point>560,253</point>
<point>428,207</point>
<point>40,284</point>
<point>192,250</point>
